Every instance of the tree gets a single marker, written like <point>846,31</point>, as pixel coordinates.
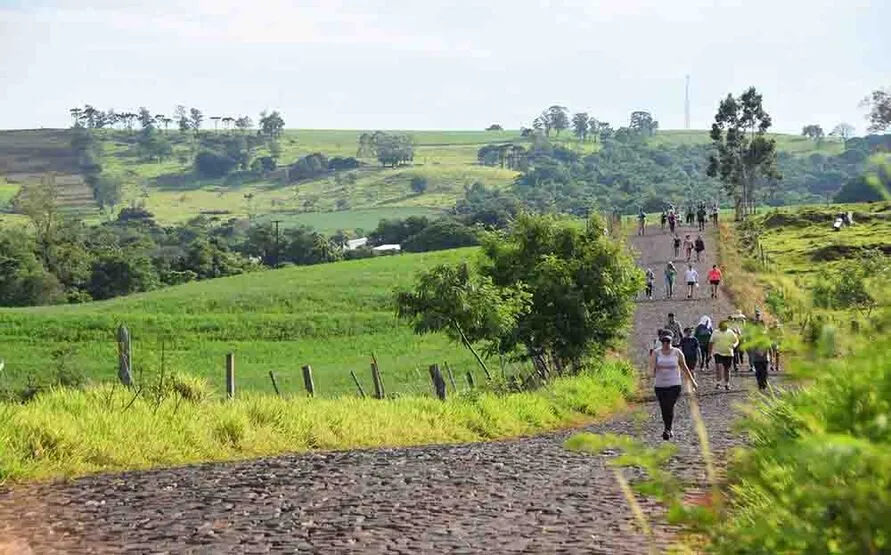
<point>643,123</point>
<point>843,131</point>
<point>467,307</point>
<point>108,191</point>
<point>742,153</point>
<point>90,115</point>
<point>227,122</point>
<point>39,201</point>
<point>24,280</point>
<point>243,123</point>
<point>216,122</point>
<point>543,121</point>
<point>418,184</point>
<point>195,119</point>
<point>146,120</point>
<point>76,114</point>
<point>153,145</point>
<point>271,125</point>
<point>813,132</point>
<point>558,118</point>
<point>580,125</point>
<point>391,149</point>
<point>182,119</point>
<point>495,127</point>
<point>879,104</point>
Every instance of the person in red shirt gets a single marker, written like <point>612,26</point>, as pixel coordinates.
<point>714,280</point>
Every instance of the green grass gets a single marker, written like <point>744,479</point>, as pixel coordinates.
<point>796,239</point>
<point>793,144</point>
<point>331,316</point>
<point>70,433</point>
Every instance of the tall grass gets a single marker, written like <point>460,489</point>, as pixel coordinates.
<point>106,428</point>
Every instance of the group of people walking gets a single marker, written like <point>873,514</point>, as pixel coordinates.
<point>678,352</point>
<point>671,216</point>
<point>691,274</point>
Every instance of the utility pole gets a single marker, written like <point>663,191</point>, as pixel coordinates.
<point>687,103</point>
<point>275,263</point>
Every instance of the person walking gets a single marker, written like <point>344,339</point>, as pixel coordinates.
<point>721,347</point>
<point>641,222</point>
<point>691,276</point>
<point>651,281</point>
<point>688,247</point>
<point>667,363</point>
<point>676,243</point>
<point>715,211</point>
<point>700,216</point>
<point>714,280</point>
<point>703,335</point>
<point>672,220</point>
<point>670,274</point>
<point>663,218</point>
<point>673,327</point>
<point>690,347</point>
<point>699,247</point>
<point>737,321</point>
<point>759,358</point>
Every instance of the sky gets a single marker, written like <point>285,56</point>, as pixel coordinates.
<point>431,64</point>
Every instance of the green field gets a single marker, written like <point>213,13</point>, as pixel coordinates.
<point>346,200</point>
<point>331,316</point>
<point>801,241</point>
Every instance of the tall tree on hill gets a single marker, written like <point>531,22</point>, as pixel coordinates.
<point>227,122</point>
<point>111,117</point>
<point>742,152</point>
<point>580,125</point>
<point>90,116</point>
<point>813,132</point>
<point>879,103</point>
<point>558,117</point>
<point>243,123</point>
<point>216,122</point>
<point>76,114</point>
<point>195,119</point>
<point>843,130</point>
<point>146,120</point>
<point>543,121</point>
<point>271,125</point>
<point>643,123</point>
<point>182,118</point>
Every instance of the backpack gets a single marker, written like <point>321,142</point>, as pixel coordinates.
<point>703,334</point>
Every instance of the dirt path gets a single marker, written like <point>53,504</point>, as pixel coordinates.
<point>527,495</point>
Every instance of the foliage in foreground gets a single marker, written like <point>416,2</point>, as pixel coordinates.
<point>67,433</point>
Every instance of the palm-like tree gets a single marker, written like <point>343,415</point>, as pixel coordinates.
<point>227,121</point>
<point>216,121</point>
<point>90,116</point>
<point>76,114</point>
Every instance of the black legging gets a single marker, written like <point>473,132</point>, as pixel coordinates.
<point>668,397</point>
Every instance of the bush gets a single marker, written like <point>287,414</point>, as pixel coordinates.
<point>308,167</point>
<point>213,164</point>
<point>817,478</point>
<point>339,163</point>
<point>418,184</point>
<point>442,234</point>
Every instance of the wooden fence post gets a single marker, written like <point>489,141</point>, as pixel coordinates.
<point>470,381</point>
<point>274,383</point>
<point>230,375</point>
<point>451,377</point>
<point>125,367</point>
<point>307,380</point>
<point>358,385</point>
<point>439,385</point>
<point>378,382</point>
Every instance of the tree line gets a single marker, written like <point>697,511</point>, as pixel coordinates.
<point>557,118</point>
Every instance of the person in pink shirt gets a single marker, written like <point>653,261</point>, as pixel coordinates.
<point>714,280</point>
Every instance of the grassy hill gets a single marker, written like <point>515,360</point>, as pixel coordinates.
<point>349,200</point>
<point>332,316</point>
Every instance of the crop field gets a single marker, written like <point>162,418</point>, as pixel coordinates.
<point>330,316</point>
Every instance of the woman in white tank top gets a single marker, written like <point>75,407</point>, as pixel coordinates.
<point>667,363</point>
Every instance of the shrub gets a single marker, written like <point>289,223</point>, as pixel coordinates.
<point>418,184</point>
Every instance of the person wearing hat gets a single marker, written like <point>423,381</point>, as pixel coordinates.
<point>667,363</point>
